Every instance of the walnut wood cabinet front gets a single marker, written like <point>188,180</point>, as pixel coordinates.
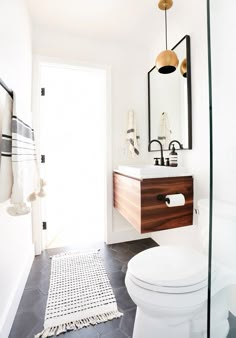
<point>137,201</point>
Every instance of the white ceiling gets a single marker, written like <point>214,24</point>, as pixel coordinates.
<point>119,20</point>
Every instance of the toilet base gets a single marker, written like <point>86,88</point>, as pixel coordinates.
<point>185,327</point>
<point>151,327</point>
<point>185,322</point>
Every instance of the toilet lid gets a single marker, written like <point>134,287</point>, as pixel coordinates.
<point>169,267</point>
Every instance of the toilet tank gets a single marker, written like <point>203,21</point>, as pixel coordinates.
<point>223,231</point>
<point>223,238</point>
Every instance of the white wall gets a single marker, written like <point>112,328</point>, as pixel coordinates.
<point>16,249</point>
<point>189,17</point>
<point>129,68</point>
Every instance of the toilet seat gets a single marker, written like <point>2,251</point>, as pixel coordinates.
<point>170,290</point>
<point>169,269</point>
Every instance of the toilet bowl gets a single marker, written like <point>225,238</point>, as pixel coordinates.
<point>169,286</point>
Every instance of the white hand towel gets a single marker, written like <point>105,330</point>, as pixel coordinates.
<point>132,134</point>
<point>164,130</point>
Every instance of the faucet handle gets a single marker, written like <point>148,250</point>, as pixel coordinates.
<point>167,161</point>
<point>156,160</point>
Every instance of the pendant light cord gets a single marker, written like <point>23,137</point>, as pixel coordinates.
<point>166,27</point>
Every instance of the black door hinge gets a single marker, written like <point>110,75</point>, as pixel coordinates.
<point>42,91</point>
<point>42,158</point>
<point>44,225</point>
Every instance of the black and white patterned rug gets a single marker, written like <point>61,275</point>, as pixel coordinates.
<point>79,295</point>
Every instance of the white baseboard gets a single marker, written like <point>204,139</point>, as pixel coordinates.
<point>16,295</point>
<point>125,236</point>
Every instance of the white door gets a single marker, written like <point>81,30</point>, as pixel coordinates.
<point>72,137</point>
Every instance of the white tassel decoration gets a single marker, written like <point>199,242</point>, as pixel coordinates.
<point>32,197</point>
<point>42,192</point>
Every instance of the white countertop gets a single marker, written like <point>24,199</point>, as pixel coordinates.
<point>151,171</point>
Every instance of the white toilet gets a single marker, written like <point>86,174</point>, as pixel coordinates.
<point>169,285</point>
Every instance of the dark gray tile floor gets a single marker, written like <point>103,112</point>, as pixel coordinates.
<point>30,315</point>
<point>232,324</point>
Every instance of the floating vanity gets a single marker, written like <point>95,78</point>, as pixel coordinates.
<point>139,195</point>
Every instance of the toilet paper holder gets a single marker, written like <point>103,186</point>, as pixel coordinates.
<point>163,198</point>
<point>172,200</point>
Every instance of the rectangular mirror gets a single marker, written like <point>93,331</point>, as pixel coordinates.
<point>169,101</point>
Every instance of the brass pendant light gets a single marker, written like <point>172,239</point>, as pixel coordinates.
<point>183,68</point>
<point>166,61</point>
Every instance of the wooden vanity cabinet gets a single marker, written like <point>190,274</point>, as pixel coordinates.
<point>136,199</point>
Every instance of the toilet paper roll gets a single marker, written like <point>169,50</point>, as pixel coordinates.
<point>175,200</point>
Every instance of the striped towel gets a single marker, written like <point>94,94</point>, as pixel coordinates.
<point>26,180</point>
<point>6,175</point>
<point>132,134</point>
<point>19,173</point>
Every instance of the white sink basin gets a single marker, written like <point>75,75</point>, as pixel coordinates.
<point>151,171</point>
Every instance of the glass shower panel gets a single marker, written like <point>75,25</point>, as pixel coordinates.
<point>223,261</point>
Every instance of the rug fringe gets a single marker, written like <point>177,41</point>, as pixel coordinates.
<point>78,324</point>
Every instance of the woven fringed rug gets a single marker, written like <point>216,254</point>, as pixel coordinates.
<point>79,295</point>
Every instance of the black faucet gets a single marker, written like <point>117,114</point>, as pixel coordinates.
<point>175,141</point>
<point>149,149</point>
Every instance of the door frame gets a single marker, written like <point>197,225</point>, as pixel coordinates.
<point>38,61</point>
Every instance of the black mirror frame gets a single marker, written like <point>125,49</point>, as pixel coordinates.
<point>189,98</point>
